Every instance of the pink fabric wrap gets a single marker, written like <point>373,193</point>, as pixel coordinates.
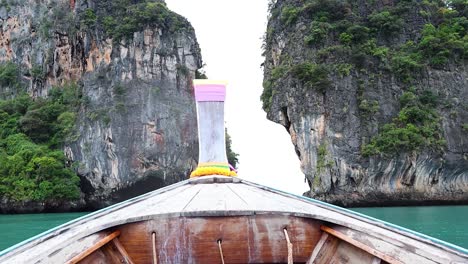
<point>210,92</point>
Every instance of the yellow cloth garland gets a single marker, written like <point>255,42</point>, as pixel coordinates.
<point>207,170</point>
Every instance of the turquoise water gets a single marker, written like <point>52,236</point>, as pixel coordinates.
<point>19,227</point>
<point>448,223</point>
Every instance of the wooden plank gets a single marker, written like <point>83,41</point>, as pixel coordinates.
<point>398,250</point>
<point>266,238</point>
<point>219,197</point>
<point>68,252</point>
<point>332,250</point>
<point>258,200</point>
<point>93,248</point>
<point>122,251</point>
<point>245,239</point>
<point>97,257</point>
<point>137,240</point>
<point>214,196</point>
<point>328,251</point>
<point>170,202</point>
<point>360,245</point>
<point>112,255</point>
<point>349,254</point>
<point>317,248</point>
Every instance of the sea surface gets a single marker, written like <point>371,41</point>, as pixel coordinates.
<point>449,223</point>
<point>18,227</point>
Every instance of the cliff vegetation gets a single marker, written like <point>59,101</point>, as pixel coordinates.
<point>380,87</point>
<point>32,165</point>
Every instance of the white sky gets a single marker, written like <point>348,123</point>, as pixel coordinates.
<point>230,36</point>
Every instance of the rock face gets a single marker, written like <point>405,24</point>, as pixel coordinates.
<point>352,91</point>
<point>136,128</point>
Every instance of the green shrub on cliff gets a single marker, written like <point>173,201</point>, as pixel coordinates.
<point>267,94</point>
<point>39,122</point>
<point>326,10</point>
<point>416,127</point>
<point>32,168</point>
<point>406,64</point>
<point>322,160</point>
<point>9,74</point>
<point>368,108</point>
<point>318,33</point>
<point>128,18</point>
<point>344,69</point>
<point>385,22</point>
<point>445,42</point>
<point>29,171</point>
<point>312,75</point>
<point>465,127</point>
<point>289,14</point>
<point>88,18</point>
<point>358,33</point>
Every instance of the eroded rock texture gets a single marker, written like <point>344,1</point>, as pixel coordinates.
<point>328,122</point>
<point>136,128</point>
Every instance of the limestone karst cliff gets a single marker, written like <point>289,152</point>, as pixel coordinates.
<point>130,63</point>
<point>374,95</point>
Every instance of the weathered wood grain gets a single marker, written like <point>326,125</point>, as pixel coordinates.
<point>360,245</point>
<point>328,250</point>
<point>68,252</point>
<point>349,254</point>
<point>94,247</point>
<point>246,239</point>
<point>112,255</point>
<point>97,257</point>
<point>400,251</point>
<point>122,251</point>
<point>317,248</point>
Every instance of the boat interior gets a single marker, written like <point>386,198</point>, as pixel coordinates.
<point>236,239</point>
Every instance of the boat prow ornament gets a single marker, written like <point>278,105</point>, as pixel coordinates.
<point>210,96</point>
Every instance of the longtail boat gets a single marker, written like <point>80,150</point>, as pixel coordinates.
<point>215,217</point>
